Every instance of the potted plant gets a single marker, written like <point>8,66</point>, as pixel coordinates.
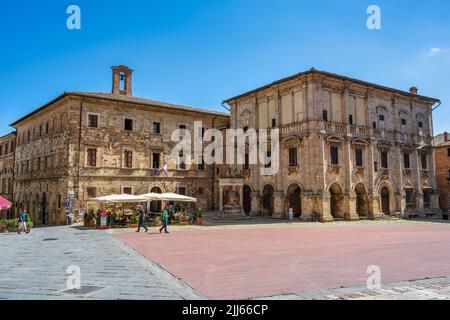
<point>3,226</point>
<point>183,218</point>
<point>29,226</point>
<point>199,216</point>
<point>13,225</point>
<point>134,219</point>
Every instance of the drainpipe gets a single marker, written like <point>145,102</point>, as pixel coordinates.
<point>77,187</point>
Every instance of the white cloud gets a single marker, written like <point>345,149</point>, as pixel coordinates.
<point>434,51</point>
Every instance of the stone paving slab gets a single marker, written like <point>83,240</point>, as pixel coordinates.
<point>34,267</point>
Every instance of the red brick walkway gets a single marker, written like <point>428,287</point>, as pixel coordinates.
<point>245,263</point>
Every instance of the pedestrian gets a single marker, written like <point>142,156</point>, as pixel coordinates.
<point>165,219</point>
<point>291,214</point>
<point>22,221</point>
<point>141,219</point>
<point>68,217</point>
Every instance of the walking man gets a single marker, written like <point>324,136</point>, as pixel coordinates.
<point>141,219</point>
<point>165,219</point>
<point>291,214</point>
<point>22,221</point>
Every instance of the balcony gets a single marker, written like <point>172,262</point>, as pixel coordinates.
<point>352,131</point>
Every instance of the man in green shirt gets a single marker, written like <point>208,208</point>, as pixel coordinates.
<point>165,219</point>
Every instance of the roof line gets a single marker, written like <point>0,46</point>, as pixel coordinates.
<point>312,70</point>
<point>98,96</point>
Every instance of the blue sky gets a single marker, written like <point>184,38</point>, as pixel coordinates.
<point>201,52</point>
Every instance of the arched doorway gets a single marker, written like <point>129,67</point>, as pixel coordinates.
<point>385,208</point>
<point>247,200</point>
<point>336,201</point>
<point>44,209</point>
<point>294,199</point>
<point>267,200</point>
<point>361,201</point>
<point>156,206</point>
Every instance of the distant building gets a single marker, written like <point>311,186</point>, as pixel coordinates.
<point>442,154</point>
<point>7,149</point>
<point>349,149</point>
<point>83,145</point>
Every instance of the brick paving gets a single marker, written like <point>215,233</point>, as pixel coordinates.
<point>242,262</point>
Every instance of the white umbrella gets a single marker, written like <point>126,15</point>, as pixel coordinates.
<point>152,196</point>
<point>121,198</point>
<point>176,197</point>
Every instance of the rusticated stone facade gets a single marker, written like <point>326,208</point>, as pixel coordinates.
<point>7,149</point>
<point>86,145</point>
<point>349,149</point>
<point>442,154</point>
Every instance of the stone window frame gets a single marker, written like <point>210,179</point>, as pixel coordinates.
<point>403,116</point>
<point>381,111</point>
<point>184,187</point>
<point>338,143</point>
<point>123,159</point>
<point>133,129</point>
<point>98,120</point>
<point>123,187</point>
<point>159,122</point>
<point>87,148</point>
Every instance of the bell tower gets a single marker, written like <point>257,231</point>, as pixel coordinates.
<point>121,84</point>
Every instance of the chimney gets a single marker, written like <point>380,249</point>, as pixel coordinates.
<point>414,90</point>
<point>121,84</point>
<point>445,136</point>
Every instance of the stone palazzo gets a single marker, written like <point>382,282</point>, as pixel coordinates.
<point>349,149</point>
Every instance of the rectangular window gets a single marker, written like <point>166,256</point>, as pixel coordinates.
<point>268,159</point>
<point>403,122</point>
<point>182,161</point>
<point>334,153</point>
<point>384,160</point>
<point>156,128</point>
<point>201,191</point>
<point>201,165</point>
<point>325,115</point>
<point>424,162</point>
<point>128,124</point>
<point>182,191</point>
<point>93,121</point>
<point>293,157</point>
<point>91,192</point>
<point>381,117</point>
<point>420,124</point>
<point>374,125</point>
<point>274,123</point>
<point>359,157</point>
<point>375,166</point>
<point>128,159</point>
<point>156,160</point>
<point>350,119</point>
<point>448,152</point>
<point>406,161</point>
<point>92,157</point>
<point>409,197</point>
<point>127,190</point>
<point>246,162</point>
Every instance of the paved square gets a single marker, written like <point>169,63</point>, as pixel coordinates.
<point>259,262</point>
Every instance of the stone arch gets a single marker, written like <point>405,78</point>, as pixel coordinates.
<point>387,197</point>
<point>267,198</point>
<point>362,200</point>
<point>247,199</point>
<point>156,206</point>
<point>337,201</point>
<point>157,185</point>
<point>293,198</point>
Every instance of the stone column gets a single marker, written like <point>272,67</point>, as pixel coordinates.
<point>307,206</point>
<point>221,198</point>
<point>241,197</point>
<point>325,215</point>
<point>278,205</point>
<point>352,214</point>
<point>374,207</point>
<point>256,203</point>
